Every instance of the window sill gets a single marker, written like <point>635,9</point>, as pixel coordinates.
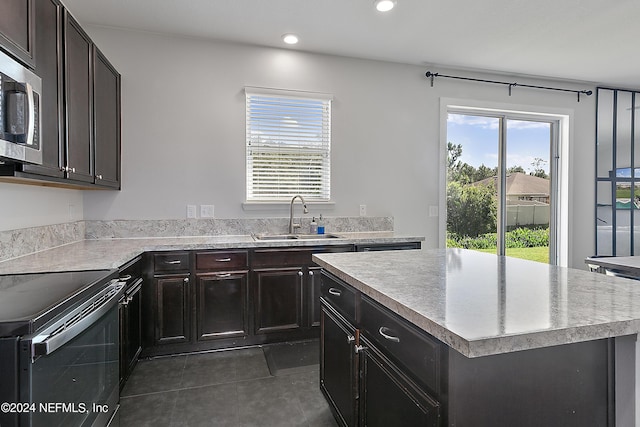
<point>284,206</point>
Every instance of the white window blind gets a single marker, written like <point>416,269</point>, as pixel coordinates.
<point>288,145</point>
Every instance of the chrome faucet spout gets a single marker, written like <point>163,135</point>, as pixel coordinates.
<point>292,225</point>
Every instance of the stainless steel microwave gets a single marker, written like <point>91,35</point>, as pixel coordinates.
<point>20,127</point>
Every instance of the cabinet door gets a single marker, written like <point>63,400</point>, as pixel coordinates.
<point>17,29</point>
<point>134,328</point>
<point>49,68</point>
<point>172,319</point>
<point>221,305</point>
<point>122,315</point>
<point>278,300</point>
<point>314,290</point>
<point>338,366</point>
<point>78,98</point>
<point>387,397</point>
<point>106,97</point>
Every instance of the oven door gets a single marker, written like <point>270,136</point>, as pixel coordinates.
<point>73,379</point>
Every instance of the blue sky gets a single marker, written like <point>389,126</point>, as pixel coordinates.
<point>479,139</point>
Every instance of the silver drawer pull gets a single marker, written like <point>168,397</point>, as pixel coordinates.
<point>335,292</point>
<point>223,260</point>
<point>173,262</point>
<point>350,339</point>
<point>223,275</point>
<point>125,278</point>
<point>387,336</point>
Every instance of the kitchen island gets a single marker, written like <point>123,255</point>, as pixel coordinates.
<point>513,342</point>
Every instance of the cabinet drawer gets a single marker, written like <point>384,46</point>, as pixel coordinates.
<point>171,261</point>
<point>224,260</point>
<point>294,257</point>
<point>341,296</point>
<point>411,348</point>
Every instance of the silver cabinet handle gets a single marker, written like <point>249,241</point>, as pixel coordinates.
<point>69,169</point>
<point>311,273</point>
<point>300,273</point>
<point>175,262</point>
<point>186,280</point>
<point>125,278</point>
<point>98,176</point>
<point>360,348</point>
<point>223,260</point>
<point>335,292</point>
<point>386,335</point>
<point>350,339</point>
<point>223,275</point>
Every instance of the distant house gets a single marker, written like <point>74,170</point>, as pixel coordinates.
<point>527,199</point>
<point>522,188</point>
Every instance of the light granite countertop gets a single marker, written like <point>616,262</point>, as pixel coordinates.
<point>100,254</point>
<point>481,304</point>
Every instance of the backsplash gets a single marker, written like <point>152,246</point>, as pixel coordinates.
<point>217,227</point>
<point>15,243</point>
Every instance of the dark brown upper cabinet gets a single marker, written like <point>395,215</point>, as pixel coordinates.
<point>106,121</point>
<point>49,66</point>
<point>78,102</point>
<point>17,29</point>
<point>80,106</point>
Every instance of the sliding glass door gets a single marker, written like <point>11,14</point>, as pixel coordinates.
<point>500,184</point>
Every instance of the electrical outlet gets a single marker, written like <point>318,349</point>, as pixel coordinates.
<point>206,211</point>
<point>433,211</point>
<point>191,211</point>
<point>363,210</point>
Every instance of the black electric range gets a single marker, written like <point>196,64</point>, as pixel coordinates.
<point>59,340</point>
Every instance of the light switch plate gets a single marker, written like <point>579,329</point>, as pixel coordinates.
<point>363,210</point>
<point>191,211</point>
<point>433,211</point>
<point>206,211</point>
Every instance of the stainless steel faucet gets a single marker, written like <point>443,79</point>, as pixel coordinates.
<point>292,225</point>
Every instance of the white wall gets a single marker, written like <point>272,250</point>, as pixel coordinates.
<point>23,206</point>
<point>183,131</point>
<point>183,135</point>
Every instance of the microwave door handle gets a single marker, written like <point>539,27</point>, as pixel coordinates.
<point>32,111</point>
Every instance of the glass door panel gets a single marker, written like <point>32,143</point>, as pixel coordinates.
<point>528,189</point>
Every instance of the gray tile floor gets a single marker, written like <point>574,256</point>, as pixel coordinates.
<point>229,388</point>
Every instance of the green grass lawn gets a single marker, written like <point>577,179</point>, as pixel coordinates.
<point>540,254</point>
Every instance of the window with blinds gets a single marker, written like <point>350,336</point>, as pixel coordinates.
<point>288,145</point>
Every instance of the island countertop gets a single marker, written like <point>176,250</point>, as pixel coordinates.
<point>481,304</point>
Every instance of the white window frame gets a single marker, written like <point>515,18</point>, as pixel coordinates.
<point>312,150</point>
<point>560,158</point>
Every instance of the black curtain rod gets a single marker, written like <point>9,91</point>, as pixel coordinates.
<point>511,85</point>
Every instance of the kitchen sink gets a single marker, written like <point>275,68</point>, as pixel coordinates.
<point>294,236</point>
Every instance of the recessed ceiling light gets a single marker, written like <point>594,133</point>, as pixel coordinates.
<point>290,38</point>
<point>384,5</point>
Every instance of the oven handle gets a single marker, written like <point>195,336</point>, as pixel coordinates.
<point>46,343</point>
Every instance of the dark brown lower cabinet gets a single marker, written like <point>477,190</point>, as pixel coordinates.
<point>278,299</point>
<point>388,397</point>
<point>221,302</point>
<point>315,288</point>
<point>130,330</point>
<point>172,317</point>
<point>377,369</point>
<point>338,365</point>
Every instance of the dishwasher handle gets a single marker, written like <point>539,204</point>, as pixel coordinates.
<point>77,321</point>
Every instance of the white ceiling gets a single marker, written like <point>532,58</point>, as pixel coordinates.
<point>588,40</point>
